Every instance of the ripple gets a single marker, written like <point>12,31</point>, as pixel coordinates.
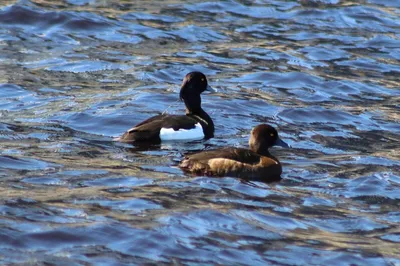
<point>193,33</point>
<point>44,181</point>
<point>385,3</point>
<point>370,64</point>
<point>15,163</point>
<point>58,26</point>
<point>257,12</point>
<point>292,80</point>
<point>130,206</point>
<point>152,17</point>
<point>76,73</point>
<point>392,237</point>
<point>205,222</point>
<point>118,182</point>
<point>16,98</point>
<point>372,160</point>
<point>273,221</point>
<point>79,2</point>
<point>349,17</point>
<point>49,22</point>
<point>145,31</point>
<point>214,58</point>
<point>304,255</point>
<point>392,217</point>
<point>314,201</point>
<point>325,53</point>
<point>348,225</point>
<point>47,215</point>
<point>317,115</point>
<point>87,66</point>
<point>371,186</point>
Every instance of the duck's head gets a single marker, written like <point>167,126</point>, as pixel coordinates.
<point>263,137</point>
<point>193,85</point>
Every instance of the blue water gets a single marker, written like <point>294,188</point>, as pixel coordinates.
<point>76,73</point>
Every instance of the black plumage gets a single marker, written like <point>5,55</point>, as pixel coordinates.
<point>193,85</point>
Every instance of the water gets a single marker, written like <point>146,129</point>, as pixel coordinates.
<point>76,73</point>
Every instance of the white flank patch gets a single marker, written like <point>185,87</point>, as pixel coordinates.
<point>182,134</point>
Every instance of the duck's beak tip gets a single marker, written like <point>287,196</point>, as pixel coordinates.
<point>210,89</point>
<point>281,143</point>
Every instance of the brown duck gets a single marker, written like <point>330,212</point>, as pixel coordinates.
<point>255,163</point>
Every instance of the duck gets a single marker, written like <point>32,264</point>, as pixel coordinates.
<point>194,125</point>
<point>255,164</point>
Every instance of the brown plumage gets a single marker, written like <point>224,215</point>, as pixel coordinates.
<point>255,163</point>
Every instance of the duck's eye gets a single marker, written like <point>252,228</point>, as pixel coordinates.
<point>272,134</point>
<point>202,79</point>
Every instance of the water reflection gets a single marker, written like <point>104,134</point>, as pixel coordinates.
<point>77,73</point>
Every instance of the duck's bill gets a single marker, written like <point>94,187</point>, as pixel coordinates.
<point>211,89</point>
<point>281,143</point>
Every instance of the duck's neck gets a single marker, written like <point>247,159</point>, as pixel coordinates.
<point>193,104</point>
<point>260,149</point>
<point>193,108</point>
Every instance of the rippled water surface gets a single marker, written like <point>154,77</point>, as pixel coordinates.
<point>76,73</point>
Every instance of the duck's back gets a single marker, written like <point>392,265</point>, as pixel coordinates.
<point>150,129</point>
<point>233,162</point>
